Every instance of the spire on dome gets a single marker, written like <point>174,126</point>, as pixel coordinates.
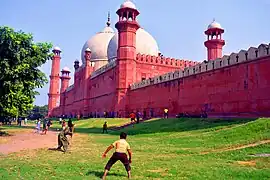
<point>109,19</point>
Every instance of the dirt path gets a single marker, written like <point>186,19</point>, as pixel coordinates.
<point>238,147</point>
<point>29,140</point>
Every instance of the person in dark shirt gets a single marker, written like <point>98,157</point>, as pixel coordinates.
<point>138,115</point>
<point>105,127</point>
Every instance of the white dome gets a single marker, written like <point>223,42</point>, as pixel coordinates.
<point>98,45</point>
<point>88,49</point>
<point>128,4</point>
<point>66,69</point>
<point>56,48</point>
<point>145,44</point>
<point>214,24</point>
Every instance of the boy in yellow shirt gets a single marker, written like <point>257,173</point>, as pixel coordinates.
<point>121,147</point>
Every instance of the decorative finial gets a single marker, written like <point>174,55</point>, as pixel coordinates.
<point>109,19</point>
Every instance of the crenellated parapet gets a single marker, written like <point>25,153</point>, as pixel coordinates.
<point>70,88</point>
<point>164,61</point>
<point>252,54</point>
<point>103,69</point>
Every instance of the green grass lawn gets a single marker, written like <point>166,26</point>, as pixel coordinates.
<point>162,149</point>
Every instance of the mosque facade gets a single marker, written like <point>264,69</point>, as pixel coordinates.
<point>124,71</point>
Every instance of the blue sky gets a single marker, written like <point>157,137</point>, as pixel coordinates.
<point>177,25</point>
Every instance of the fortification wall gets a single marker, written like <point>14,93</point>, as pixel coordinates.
<point>235,85</point>
<point>149,66</point>
<point>101,92</point>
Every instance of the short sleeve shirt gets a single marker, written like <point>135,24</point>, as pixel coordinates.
<point>121,146</point>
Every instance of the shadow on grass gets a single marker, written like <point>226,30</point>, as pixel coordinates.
<point>55,149</point>
<point>99,174</point>
<point>163,125</point>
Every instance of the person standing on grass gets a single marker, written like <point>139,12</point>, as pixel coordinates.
<point>132,117</point>
<point>62,138</point>
<point>64,124</point>
<point>121,148</point>
<point>166,113</point>
<point>105,127</point>
<point>71,125</point>
<point>138,115</point>
<point>44,128</point>
<point>25,121</point>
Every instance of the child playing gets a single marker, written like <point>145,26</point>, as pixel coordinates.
<point>38,126</point>
<point>121,147</point>
<point>64,124</point>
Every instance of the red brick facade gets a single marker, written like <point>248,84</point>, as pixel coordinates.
<point>235,85</point>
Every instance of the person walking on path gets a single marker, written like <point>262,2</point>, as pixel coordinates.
<point>121,147</point>
<point>38,126</point>
<point>46,126</point>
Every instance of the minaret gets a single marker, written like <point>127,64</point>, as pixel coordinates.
<point>214,41</point>
<point>64,85</point>
<point>76,67</point>
<point>64,79</point>
<point>54,81</point>
<point>127,26</point>
<point>88,70</point>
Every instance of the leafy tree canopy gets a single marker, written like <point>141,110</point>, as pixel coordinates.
<point>20,58</point>
<point>37,112</point>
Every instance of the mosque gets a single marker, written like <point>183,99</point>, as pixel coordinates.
<point>124,71</point>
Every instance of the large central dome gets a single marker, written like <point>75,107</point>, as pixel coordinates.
<point>104,45</point>
<point>98,45</point>
<point>145,44</point>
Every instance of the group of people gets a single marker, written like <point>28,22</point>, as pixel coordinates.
<point>122,147</point>
<point>46,125</point>
<point>67,129</point>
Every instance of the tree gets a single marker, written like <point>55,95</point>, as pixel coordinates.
<point>20,58</point>
<point>37,112</point>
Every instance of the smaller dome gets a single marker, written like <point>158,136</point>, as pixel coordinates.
<point>56,48</point>
<point>66,69</point>
<point>88,50</point>
<point>128,4</point>
<point>214,24</point>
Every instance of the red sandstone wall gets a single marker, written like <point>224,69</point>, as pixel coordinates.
<point>150,66</point>
<point>102,92</point>
<point>238,90</point>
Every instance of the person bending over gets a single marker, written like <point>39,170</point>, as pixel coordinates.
<point>121,147</point>
<point>63,139</point>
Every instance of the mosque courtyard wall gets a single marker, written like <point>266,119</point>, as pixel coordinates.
<point>240,88</point>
